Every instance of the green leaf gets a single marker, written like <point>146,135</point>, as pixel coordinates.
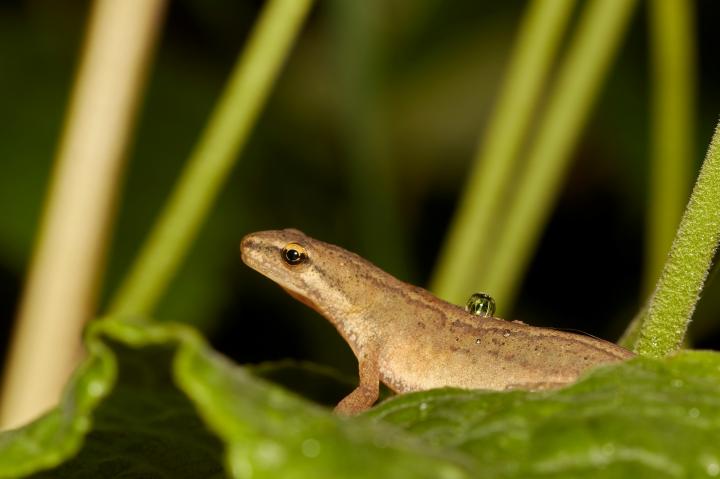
<point>146,427</point>
<point>132,409</point>
<point>153,400</point>
<point>642,418</point>
<point>318,383</point>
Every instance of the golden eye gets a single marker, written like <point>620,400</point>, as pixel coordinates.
<point>294,254</point>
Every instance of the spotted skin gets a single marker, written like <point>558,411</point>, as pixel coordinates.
<point>411,340</point>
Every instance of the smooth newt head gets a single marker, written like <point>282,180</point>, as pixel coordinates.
<point>301,265</point>
<point>281,255</point>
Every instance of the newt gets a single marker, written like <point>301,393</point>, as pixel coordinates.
<point>408,338</point>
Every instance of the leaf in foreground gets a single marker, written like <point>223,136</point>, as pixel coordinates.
<point>642,418</point>
<point>153,400</point>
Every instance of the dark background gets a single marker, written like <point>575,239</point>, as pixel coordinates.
<point>408,84</point>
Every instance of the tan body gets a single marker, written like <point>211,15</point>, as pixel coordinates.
<point>411,340</point>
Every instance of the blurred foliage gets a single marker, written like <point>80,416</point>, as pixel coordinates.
<point>436,71</point>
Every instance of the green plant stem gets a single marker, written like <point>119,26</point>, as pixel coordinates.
<point>673,302</point>
<point>595,43</point>
<point>358,42</point>
<point>463,256</point>
<point>61,290</point>
<point>217,150</point>
<point>673,69</point>
<point>632,332</point>
<point>673,80</point>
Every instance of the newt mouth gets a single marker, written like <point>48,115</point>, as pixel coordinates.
<point>246,244</point>
<point>251,250</point>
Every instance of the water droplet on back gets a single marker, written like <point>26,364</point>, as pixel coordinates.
<point>480,304</point>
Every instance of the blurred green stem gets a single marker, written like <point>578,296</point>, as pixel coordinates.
<point>673,81</point>
<point>673,302</point>
<point>61,289</point>
<point>581,74</point>
<point>673,76</point>
<point>464,255</point>
<point>217,150</point>
<point>358,43</point>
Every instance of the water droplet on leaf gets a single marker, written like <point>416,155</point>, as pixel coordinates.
<point>96,388</point>
<point>270,454</point>
<point>311,448</point>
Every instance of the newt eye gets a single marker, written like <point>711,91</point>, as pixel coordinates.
<point>294,254</point>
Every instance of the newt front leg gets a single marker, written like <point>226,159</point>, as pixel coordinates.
<point>367,392</point>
